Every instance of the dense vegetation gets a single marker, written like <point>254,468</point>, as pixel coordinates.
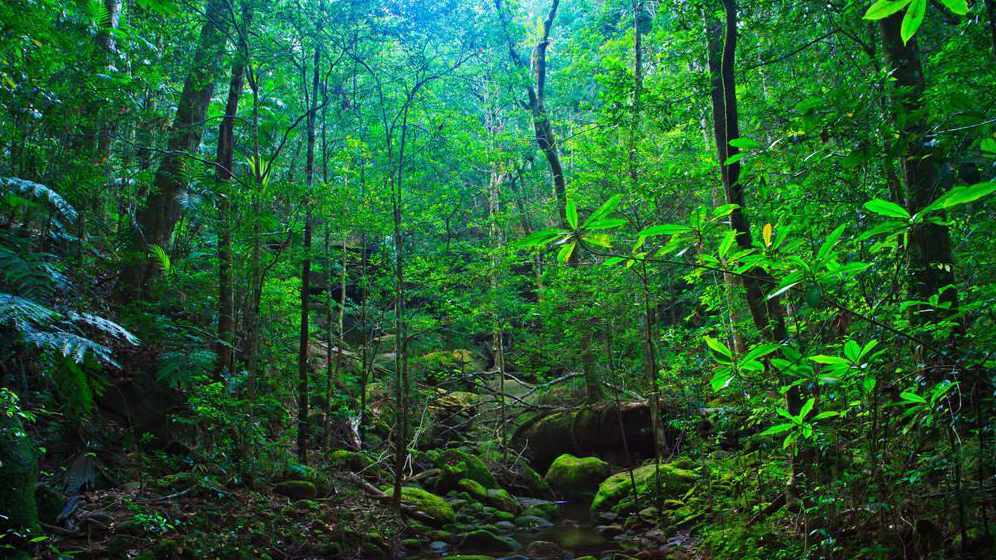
<point>384,278</point>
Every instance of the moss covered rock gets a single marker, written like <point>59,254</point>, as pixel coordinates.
<point>297,489</point>
<point>576,477</point>
<point>18,477</point>
<point>428,503</point>
<point>350,460</point>
<point>616,492</point>
<point>482,539</point>
<point>455,465</point>
<point>497,498</point>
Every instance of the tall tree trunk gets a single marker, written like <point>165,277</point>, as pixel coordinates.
<point>156,220</point>
<point>400,328</point>
<point>930,259</point>
<point>223,174</point>
<point>309,179</point>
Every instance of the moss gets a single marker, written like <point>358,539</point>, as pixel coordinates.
<point>496,497</point>
<point>576,477</point>
<point>18,477</point>
<point>616,492</point>
<point>428,503</point>
<point>486,540</point>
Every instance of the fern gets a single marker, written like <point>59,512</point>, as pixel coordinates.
<point>162,257</point>
<point>39,192</point>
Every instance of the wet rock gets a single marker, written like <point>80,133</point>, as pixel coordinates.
<point>576,477</point>
<point>297,489</point>
<point>543,550</point>
<point>439,547</point>
<point>506,526</point>
<point>609,531</point>
<point>532,522</point>
<point>455,465</point>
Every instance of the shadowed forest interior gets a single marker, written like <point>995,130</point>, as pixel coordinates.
<point>497,279</point>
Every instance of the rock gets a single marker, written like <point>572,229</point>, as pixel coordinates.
<point>649,514</point>
<point>455,465</point>
<point>616,492</point>
<point>502,500</point>
<point>544,550</point>
<point>470,557</point>
<point>589,430</point>
<point>439,547</point>
<point>609,531</point>
<point>576,477</point>
<point>428,503</point>
<point>532,522</point>
<point>50,503</point>
<point>297,489</point>
<point>505,526</point>
<point>504,516</point>
<point>525,481</point>
<point>540,508</point>
<point>349,460</point>
<point>483,539</point>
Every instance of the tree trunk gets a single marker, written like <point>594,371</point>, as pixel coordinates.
<point>223,174</point>
<point>156,220</point>
<point>309,179</point>
<point>930,259</point>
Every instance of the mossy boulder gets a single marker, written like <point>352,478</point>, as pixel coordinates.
<point>297,489</point>
<point>455,465</point>
<point>350,460</point>
<point>428,503</point>
<point>18,478</point>
<point>576,477</point>
<point>482,539</point>
<point>616,492</point>
<point>498,498</point>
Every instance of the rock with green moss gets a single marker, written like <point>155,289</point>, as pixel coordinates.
<point>616,492</point>
<point>455,465</point>
<point>18,478</point>
<point>297,489</point>
<point>576,477</point>
<point>482,539</point>
<point>428,503</point>
<point>497,498</point>
<point>349,460</point>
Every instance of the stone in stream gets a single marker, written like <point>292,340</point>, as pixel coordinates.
<point>482,539</point>
<point>439,547</point>
<point>543,550</point>
<point>532,522</point>
<point>616,492</point>
<point>428,503</point>
<point>576,478</point>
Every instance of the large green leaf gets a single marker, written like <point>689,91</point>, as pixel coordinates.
<point>885,8</point>
<point>603,211</point>
<point>958,7</point>
<point>961,195</point>
<point>571,213</point>
<point>664,229</point>
<point>777,429</point>
<point>718,347</point>
<point>913,19</point>
<point>886,208</point>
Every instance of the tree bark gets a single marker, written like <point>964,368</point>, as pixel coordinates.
<point>309,178</point>
<point>930,260</point>
<point>156,220</point>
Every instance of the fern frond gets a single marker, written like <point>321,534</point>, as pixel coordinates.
<point>39,192</point>
<point>105,326</point>
<point>163,257</point>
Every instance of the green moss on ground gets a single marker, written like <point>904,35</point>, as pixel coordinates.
<point>616,492</point>
<point>576,477</point>
<point>428,503</point>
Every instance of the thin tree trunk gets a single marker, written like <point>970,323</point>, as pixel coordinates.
<point>223,174</point>
<point>309,179</point>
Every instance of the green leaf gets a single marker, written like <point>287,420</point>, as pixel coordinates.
<point>807,407</point>
<point>612,261</point>
<point>724,210</point>
<point>913,19</point>
<point>912,397</point>
<point>565,252</point>
<point>852,350</point>
<point>718,346</point>
<point>824,415</point>
<point>867,348</point>
<point>599,239</point>
<point>777,429</point>
<point>735,158</point>
<point>759,351</point>
<point>745,143</point>
<point>603,211</point>
<point>540,238</point>
<point>830,360</point>
<point>721,379</point>
<point>605,223</point>
<point>664,229</point>
<point>890,227</point>
<point>829,242</point>
<point>886,208</point>
<point>571,213</point>
<point>957,7</point>
<point>961,195</point>
<point>782,290</point>
<point>724,246</point>
<point>988,145</point>
<point>885,8</point>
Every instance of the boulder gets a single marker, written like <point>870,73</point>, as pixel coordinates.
<point>482,539</point>
<point>495,497</point>
<point>576,477</point>
<point>455,465</point>
<point>589,430</point>
<point>428,503</point>
<point>616,492</point>
<point>349,460</point>
<point>297,489</point>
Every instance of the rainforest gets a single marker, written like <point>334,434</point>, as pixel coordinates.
<point>497,279</point>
